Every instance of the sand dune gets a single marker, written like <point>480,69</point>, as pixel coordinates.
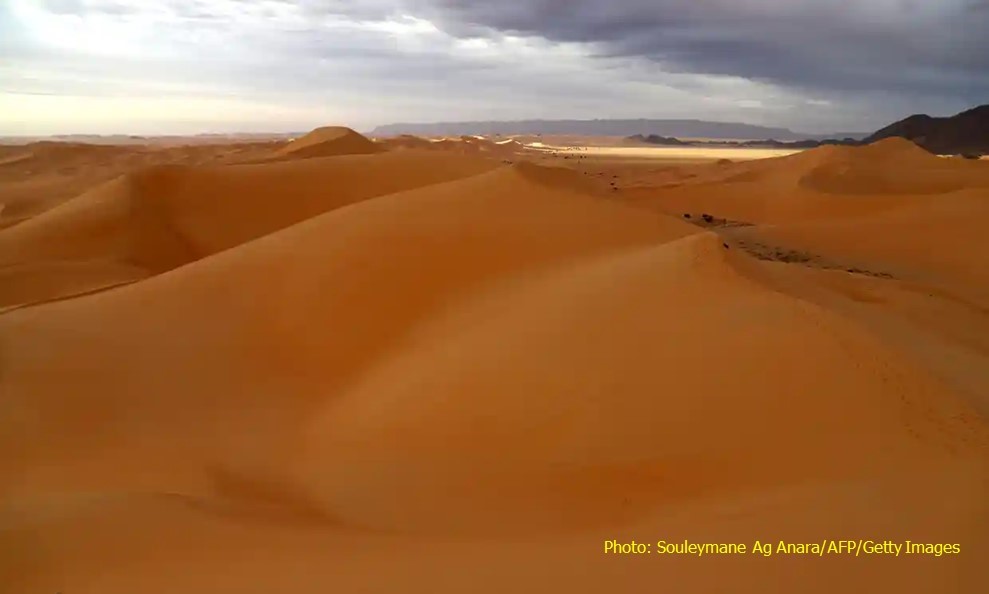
<point>341,271</point>
<point>890,208</point>
<point>405,141</point>
<point>893,166</point>
<point>940,241</point>
<point>167,216</point>
<point>328,142</point>
<point>437,373</point>
<point>828,182</point>
<point>494,457</point>
<point>8,158</point>
<point>38,176</point>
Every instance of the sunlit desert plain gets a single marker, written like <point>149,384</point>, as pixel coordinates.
<point>461,365</point>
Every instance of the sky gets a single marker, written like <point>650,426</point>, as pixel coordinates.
<point>193,66</point>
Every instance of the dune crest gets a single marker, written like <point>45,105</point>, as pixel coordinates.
<point>162,217</point>
<point>892,166</point>
<point>328,141</point>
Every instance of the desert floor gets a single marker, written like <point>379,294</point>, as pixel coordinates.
<point>416,365</point>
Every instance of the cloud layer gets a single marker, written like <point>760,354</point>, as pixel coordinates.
<point>187,65</point>
<point>845,45</point>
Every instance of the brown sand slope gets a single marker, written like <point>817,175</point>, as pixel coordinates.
<point>30,283</point>
<point>941,241</point>
<point>889,208</point>
<point>341,273</point>
<point>167,216</point>
<point>13,156</point>
<point>893,166</point>
<point>827,182</point>
<point>615,431</point>
<point>38,176</point>
<point>405,141</point>
<point>330,141</point>
<point>468,387</point>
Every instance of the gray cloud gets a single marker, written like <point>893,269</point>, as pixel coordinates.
<point>939,48</point>
<point>821,66</point>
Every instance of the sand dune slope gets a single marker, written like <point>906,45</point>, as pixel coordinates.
<point>469,387</point>
<point>35,177</point>
<point>595,402</point>
<point>38,176</point>
<point>330,141</point>
<point>830,182</point>
<point>405,141</point>
<point>163,217</point>
<point>72,153</point>
<point>893,166</point>
<point>316,302</point>
<point>940,241</point>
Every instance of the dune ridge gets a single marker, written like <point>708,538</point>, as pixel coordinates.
<point>830,182</point>
<point>328,142</point>
<point>166,216</point>
<point>36,177</point>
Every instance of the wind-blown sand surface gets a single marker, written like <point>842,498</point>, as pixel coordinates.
<point>421,370</point>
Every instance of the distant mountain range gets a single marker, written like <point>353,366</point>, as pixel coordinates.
<point>964,133</point>
<point>667,128</point>
<point>770,143</point>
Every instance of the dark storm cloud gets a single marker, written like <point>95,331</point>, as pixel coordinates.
<point>937,47</point>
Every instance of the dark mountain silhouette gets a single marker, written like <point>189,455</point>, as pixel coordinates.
<point>964,134</point>
<point>660,140</point>
<point>770,143</point>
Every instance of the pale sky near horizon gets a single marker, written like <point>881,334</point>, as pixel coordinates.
<point>191,66</point>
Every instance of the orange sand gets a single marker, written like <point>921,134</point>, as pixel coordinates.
<point>159,218</point>
<point>829,182</point>
<point>423,371</point>
<point>328,142</point>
